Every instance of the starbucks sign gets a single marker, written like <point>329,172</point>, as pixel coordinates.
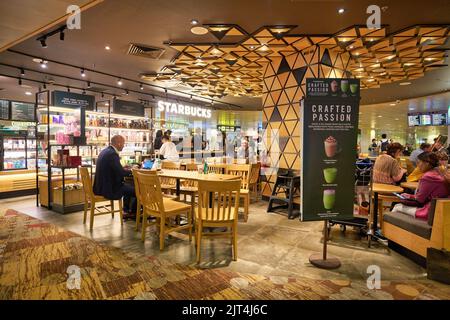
<point>176,108</point>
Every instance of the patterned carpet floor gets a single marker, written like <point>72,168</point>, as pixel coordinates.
<point>35,257</point>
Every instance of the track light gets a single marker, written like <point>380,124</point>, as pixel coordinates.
<point>191,97</point>
<point>84,91</point>
<point>68,89</point>
<point>119,82</point>
<point>153,96</point>
<point>45,86</point>
<point>88,84</point>
<point>103,95</point>
<point>22,72</point>
<point>43,42</point>
<point>20,81</point>
<point>43,64</point>
<point>61,35</point>
<point>83,74</point>
<point>141,86</point>
<point>126,92</point>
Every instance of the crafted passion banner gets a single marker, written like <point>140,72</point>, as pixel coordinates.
<point>330,128</point>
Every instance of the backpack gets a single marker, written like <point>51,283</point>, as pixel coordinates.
<point>384,145</point>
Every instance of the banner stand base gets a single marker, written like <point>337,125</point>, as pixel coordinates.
<point>330,263</point>
<point>322,260</point>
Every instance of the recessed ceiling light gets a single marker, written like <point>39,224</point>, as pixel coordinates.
<point>107,47</point>
<point>194,22</point>
<point>341,10</point>
<point>119,82</point>
<point>83,74</point>
<point>392,104</point>
<point>28,93</point>
<point>380,116</point>
<point>43,64</point>
<point>404,83</point>
<point>199,30</point>
<point>397,119</point>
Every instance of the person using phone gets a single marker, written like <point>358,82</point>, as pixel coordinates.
<point>387,169</point>
<point>435,183</point>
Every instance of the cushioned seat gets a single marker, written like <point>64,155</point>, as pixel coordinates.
<point>409,223</point>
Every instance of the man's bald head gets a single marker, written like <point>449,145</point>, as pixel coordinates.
<point>118,142</point>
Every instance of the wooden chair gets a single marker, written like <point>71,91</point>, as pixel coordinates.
<point>215,168</point>
<point>223,211</point>
<point>91,200</point>
<point>160,207</point>
<point>137,191</point>
<point>243,171</point>
<point>254,179</point>
<point>169,184</point>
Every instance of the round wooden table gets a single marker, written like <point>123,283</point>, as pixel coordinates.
<point>410,185</point>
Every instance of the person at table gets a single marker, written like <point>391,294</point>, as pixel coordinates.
<point>109,177</point>
<point>387,168</point>
<point>158,140</point>
<point>435,183</point>
<point>244,151</point>
<point>373,148</point>
<point>168,149</point>
<point>424,147</point>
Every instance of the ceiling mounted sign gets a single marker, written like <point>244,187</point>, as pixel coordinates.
<point>73,100</point>
<point>172,107</point>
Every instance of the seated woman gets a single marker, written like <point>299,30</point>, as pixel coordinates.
<point>387,168</point>
<point>435,183</point>
<point>168,149</point>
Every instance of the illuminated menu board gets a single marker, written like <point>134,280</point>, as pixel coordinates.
<point>21,111</point>
<point>4,109</point>
<point>439,119</point>
<point>425,119</point>
<point>413,120</point>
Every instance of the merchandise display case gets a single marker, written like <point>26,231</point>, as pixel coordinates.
<point>61,142</point>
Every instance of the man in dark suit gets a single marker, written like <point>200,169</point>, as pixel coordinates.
<point>109,177</point>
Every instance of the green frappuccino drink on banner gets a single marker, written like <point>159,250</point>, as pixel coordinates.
<point>330,174</point>
<point>354,88</point>
<point>344,86</point>
<point>329,197</point>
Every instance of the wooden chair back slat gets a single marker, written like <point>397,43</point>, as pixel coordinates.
<point>150,192</point>
<point>254,175</point>
<point>215,168</point>
<point>224,199</point>
<point>136,182</point>
<point>241,170</point>
<point>87,183</point>
<point>169,165</point>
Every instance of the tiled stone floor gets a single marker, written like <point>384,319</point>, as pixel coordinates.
<point>268,244</point>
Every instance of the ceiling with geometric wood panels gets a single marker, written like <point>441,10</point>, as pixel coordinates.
<point>234,65</point>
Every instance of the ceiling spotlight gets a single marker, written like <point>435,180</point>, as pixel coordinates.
<point>83,74</point>
<point>153,96</point>
<point>88,84</point>
<point>119,82</point>
<point>68,89</point>
<point>341,10</point>
<point>191,97</point>
<point>28,93</point>
<point>107,47</point>
<point>61,35</point>
<point>103,95</point>
<point>20,81</point>
<point>126,92</point>
<point>194,22</point>
<point>22,72</point>
<point>43,64</point>
<point>43,42</point>
<point>198,30</point>
<point>141,86</point>
<point>84,91</point>
<point>45,85</point>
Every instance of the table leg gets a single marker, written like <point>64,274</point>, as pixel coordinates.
<point>375,212</point>
<point>177,188</point>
